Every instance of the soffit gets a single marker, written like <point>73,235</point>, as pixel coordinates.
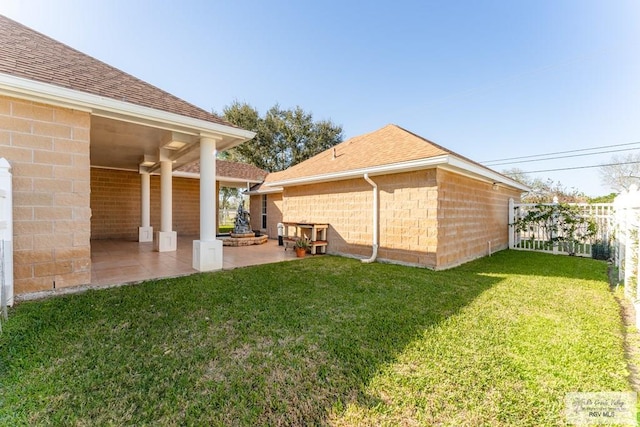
<point>121,145</point>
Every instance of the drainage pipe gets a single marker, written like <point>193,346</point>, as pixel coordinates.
<point>376,220</point>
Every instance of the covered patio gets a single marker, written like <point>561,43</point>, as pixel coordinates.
<point>116,262</point>
<point>122,199</point>
<point>95,154</point>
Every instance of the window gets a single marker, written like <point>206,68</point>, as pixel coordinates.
<point>264,211</point>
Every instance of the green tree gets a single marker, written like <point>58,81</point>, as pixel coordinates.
<point>609,198</point>
<point>283,137</point>
<point>227,194</point>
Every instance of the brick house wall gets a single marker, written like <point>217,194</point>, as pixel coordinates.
<point>255,208</point>
<point>433,218</point>
<point>48,149</point>
<point>408,217</point>
<point>344,205</point>
<point>274,213</point>
<point>472,216</point>
<point>115,203</point>
<point>407,212</point>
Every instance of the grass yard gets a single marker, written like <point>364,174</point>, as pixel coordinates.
<point>324,340</point>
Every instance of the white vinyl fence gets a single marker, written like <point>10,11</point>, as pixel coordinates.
<point>550,235</point>
<point>627,249</point>
<point>617,238</point>
<point>6,238</point>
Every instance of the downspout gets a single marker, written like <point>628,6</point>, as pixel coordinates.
<point>374,255</point>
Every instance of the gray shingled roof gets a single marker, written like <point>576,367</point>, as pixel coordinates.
<point>31,55</point>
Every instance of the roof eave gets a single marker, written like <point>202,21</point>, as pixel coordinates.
<point>357,173</point>
<point>474,170</point>
<point>120,110</point>
<point>446,161</point>
<point>261,191</point>
<point>195,175</point>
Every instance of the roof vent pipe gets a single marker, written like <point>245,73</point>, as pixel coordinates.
<point>375,224</point>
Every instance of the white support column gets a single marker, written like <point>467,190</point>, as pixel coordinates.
<point>145,231</point>
<point>207,189</point>
<point>207,252</point>
<point>166,240</point>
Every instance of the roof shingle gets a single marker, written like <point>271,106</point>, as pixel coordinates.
<point>227,169</point>
<point>29,54</point>
<point>389,145</point>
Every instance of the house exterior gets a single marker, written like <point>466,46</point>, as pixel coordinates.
<point>116,196</point>
<point>94,153</point>
<point>394,196</point>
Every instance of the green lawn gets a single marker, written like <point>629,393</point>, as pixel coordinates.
<point>324,340</point>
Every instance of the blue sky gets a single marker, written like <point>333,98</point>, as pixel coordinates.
<point>487,79</point>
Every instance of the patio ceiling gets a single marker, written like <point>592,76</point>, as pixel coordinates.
<point>123,144</point>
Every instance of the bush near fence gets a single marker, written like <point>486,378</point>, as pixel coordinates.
<point>580,229</point>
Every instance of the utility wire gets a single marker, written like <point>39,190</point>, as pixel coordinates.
<point>561,152</point>
<point>572,168</point>
<point>564,157</point>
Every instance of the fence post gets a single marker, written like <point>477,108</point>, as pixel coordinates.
<point>619,204</point>
<point>6,236</point>
<point>627,206</point>
<point>633,245</point>
<point>554,227</point>
<point>512,219</point>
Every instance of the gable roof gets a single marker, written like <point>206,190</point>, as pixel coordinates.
<point>388,145</point>
<point>390,149</point>
<point>29,54</point>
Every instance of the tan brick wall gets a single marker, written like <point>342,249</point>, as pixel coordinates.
<point>115,203</point>
<point>186,205</point>
<point>408,223</point>
<point>48,149</point>
<point>344,205</point>
<point>408,217</point>
<point>432,218</point>
<point>472,216</point>
<point>274,213</point>
<point>255,208</point>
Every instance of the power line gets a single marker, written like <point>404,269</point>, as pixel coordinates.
<point>564,157</point>
<point>575,167</point>
<point>560,152</point>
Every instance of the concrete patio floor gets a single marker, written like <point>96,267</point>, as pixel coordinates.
<point>116,262</point>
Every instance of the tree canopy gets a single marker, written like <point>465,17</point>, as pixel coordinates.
<point>283,137</point>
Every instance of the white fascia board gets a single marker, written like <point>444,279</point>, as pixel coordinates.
<point>457,164</point>
<point>193,175</point>
<point>238,180</point>
<point>446,161</point>
<point>270,190</point>
<point>359,173</point>
<point>111,108</point>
